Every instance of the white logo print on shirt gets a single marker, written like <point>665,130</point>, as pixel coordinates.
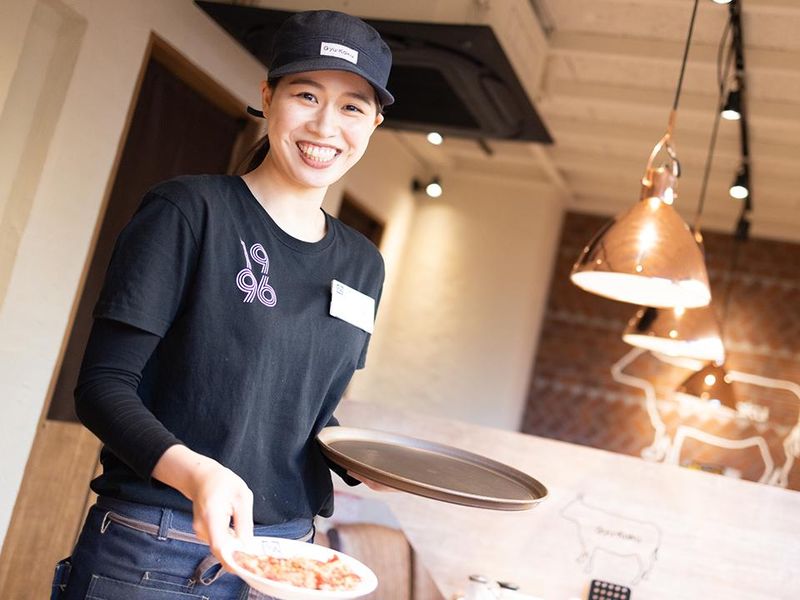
<point>247,281</point>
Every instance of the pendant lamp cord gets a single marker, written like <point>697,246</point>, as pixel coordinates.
<point>722,93</point>
<point>674,110</point>
<point>709,160</point>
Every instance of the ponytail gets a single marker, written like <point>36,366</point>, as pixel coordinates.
<point>254,157</point>
<point>258,152</point>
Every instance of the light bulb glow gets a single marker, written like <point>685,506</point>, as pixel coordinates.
<point>700,350</point>
<point>731,115</point>
<point>435,138</point>
<point>739,192</point>
<point>434,190</point>
<point>709,380</point>
<point>644,291</point>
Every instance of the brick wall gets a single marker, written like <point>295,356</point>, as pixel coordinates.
<point>572,396</point>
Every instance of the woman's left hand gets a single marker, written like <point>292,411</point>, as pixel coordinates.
<point>373,485</point>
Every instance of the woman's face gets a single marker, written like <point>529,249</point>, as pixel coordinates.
<point>319,125</point>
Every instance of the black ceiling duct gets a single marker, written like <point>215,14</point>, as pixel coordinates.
<point>454,79</point>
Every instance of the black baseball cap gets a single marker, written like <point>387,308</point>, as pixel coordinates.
<point>325,40</point>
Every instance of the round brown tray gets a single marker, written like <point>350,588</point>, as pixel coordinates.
<point>431,470</point>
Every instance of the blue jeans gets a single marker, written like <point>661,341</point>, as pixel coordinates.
<point>129,551</point>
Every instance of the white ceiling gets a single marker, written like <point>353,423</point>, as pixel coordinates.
<point>602,74</point>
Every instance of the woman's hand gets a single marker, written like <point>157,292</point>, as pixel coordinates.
<point>373,485</point>
<point>217,494</point>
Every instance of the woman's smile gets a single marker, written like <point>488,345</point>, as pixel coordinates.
<point>318,156</point>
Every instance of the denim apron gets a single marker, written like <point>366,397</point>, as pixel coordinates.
<point>129,551</point>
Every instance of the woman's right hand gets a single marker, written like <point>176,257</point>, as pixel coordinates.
<point>217,494</point>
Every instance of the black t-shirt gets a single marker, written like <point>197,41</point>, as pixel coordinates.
<point>251,365</point>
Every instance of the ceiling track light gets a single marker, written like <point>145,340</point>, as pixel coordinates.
<point>732,111</point>
<point>435,138</point>
<point>433,188</point>
<point>648,255</point>
<point>740,189</point>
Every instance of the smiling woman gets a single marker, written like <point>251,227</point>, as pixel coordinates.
<point>322,120</point>
<point>214,359</point>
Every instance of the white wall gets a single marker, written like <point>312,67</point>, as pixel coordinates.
<point>460,334</point>
<point>29,117</point>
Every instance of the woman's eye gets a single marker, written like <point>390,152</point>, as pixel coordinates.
<point>352,108</point>
<point>307,96</point>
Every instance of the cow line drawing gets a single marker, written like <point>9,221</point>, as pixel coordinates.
<point>665,448</point>
<point>602,530</point>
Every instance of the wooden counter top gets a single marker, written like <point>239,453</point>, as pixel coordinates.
<point>665,531</point>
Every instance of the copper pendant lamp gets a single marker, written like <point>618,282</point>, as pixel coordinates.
<point>710,384</point>
<point>648,255</point>
<point>691,333</point>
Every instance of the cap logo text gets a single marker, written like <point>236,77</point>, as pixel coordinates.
<point>339,51</point>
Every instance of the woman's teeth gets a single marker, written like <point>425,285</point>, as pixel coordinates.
<point>318,153</point>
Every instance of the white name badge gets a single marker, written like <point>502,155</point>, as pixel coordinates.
<point>352,306</point>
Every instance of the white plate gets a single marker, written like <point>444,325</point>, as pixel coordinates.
<point>281,548</point>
